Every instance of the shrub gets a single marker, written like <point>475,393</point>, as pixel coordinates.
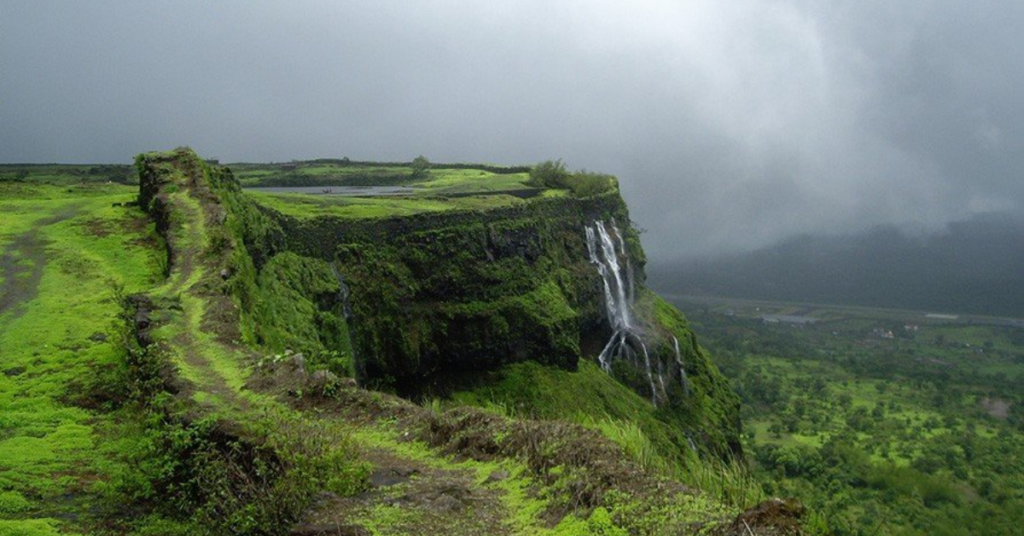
<point>549,174</point>
<point>420,167</point>
<point>585,184</point>
<point>553,174</point>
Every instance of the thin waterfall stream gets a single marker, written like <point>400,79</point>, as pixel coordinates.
<point>626,341</point>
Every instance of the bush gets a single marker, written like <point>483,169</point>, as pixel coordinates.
<point>553,174</point>
<point>420,167</point>
<point>549,174</point>
<point>586,184</point>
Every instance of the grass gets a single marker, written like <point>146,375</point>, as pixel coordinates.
<point>524,507</point>
<point>462,181</point>
<point>439,190</point>
<point>533,390</point>
<point>594,399</point>
<point>66,174</point>
<point>303,205</point>
<point>437,181</point>
<point>47,447</point>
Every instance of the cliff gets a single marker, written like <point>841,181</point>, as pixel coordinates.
<point>435,303</point>
<point>533,305</point>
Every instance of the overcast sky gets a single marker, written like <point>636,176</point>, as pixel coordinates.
<point>730,124</point>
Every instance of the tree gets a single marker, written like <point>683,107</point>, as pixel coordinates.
<point>420,167</point>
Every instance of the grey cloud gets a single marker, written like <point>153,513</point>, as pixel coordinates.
<point>730,124</point>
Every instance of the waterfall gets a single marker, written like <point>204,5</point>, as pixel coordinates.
<point>682,369</point>
<point>619,294</point>
<point>343,292</point>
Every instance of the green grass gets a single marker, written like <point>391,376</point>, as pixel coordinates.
<point>47,447</point>
<point>533,390</point>
<point>305,206</point>
<point>519,491</point>
<point>438,181</point>
<point>66,174</point>
<point>594,399</point>
<point>439,190</point>
<point>461,181</point>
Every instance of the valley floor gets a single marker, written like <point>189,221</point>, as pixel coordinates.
<point>882,421</point>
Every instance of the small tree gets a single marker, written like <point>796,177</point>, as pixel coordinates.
<point>549,174</point>
<point>420,167</point>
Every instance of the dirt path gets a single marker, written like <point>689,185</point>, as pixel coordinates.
<point>187,275</point>
<point>22,264</point>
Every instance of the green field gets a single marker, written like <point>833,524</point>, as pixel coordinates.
<point>439,180</point>
<point>305,206</point>
<point>436,189</point>
<point>68,174</point>
<point>65,253</point>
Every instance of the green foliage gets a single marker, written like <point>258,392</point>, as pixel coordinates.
<point>12,502</point>
<point>878,435</point>
<point>96,420</point>
<point>549,174</point>
<point>420,168</point>
<point>30,527</point>
<point>594,399</point>
<point>587,184</point>
<point>553,174</point>
<point>599,523</point>
<point>299,305</point>
<point>215,482</point>
<point>67,174</point>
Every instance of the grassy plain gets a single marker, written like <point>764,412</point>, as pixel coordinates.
<point>307,206</point>
<point>437,189</point>
<point>439,180</point>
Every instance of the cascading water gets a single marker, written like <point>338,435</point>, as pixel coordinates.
<point>619,294</point>
<point>682,369</point>
<point>343,292</point>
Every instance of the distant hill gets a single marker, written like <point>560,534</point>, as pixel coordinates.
<point>973,266</point>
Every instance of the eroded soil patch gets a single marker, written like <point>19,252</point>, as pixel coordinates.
<point>22,265</point>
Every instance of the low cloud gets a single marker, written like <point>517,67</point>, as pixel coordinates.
<point>731,125</point>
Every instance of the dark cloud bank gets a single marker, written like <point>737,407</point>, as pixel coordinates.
<point>731,124</point>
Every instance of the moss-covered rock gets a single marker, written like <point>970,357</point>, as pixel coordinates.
<point>435,295</point>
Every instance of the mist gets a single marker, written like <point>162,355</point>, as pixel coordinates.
<point>730,125</point>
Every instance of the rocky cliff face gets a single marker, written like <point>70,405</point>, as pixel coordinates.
<point>439,294</point>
